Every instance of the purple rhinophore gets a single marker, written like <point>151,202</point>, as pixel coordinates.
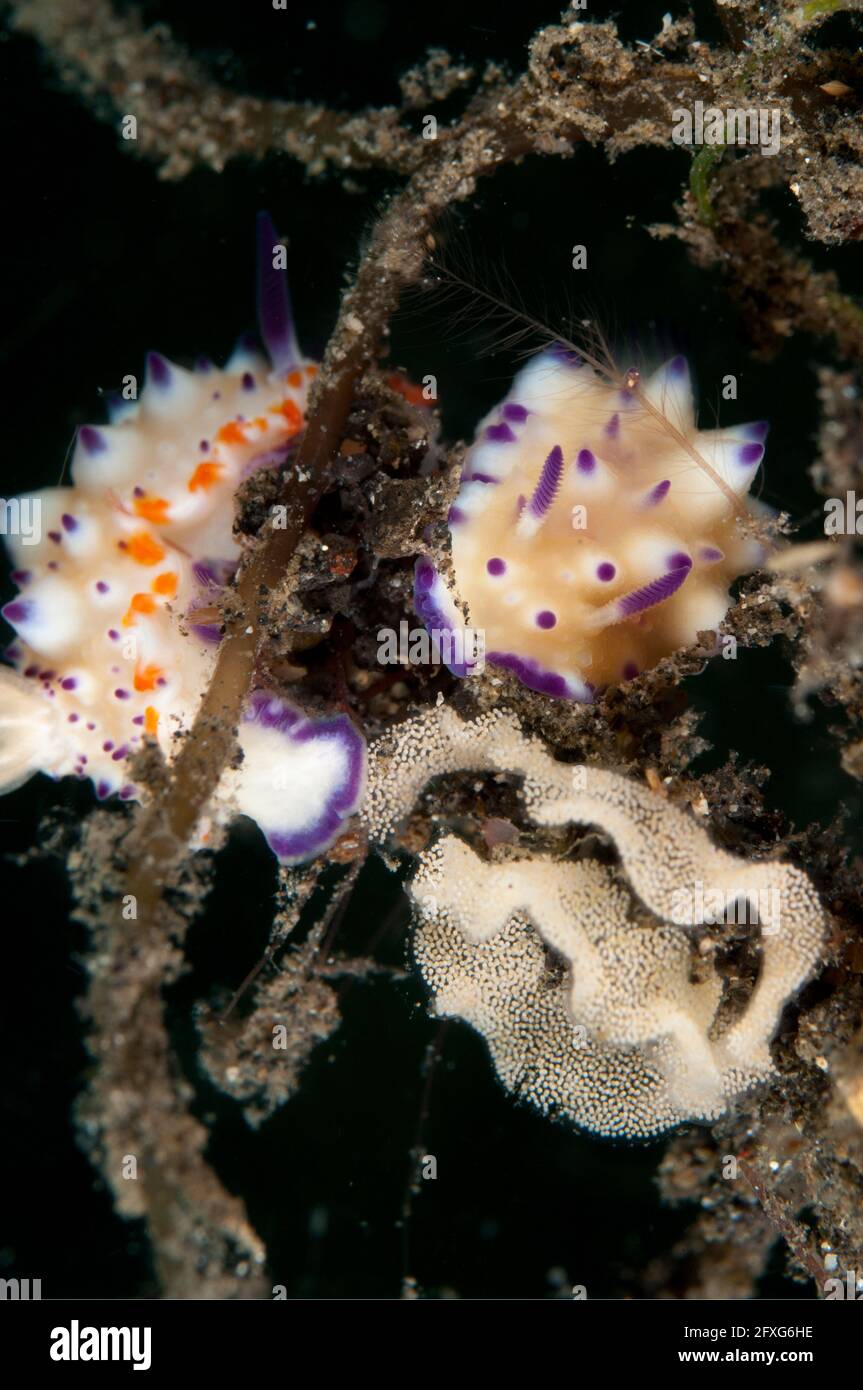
<point>92,440</point>
<point>516,413</point>
<point>606,571</point>
<point>68,522</point>
<point>18,611</point>
<point>546,619</point>
<point>247,381</point>
<point>586,461</point>
<point>656,591</point>
<point>158,371</point>
<point>657,494</point>
<point>495,565</point>
<point>549,482</point>
<point>500,434</point>
<point>275,320</point>
<point>750,454</point>
<point>679,561</point>
<point>612,429</point>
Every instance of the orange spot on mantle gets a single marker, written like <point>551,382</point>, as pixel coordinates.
<point>141,603</point>
<point>165,584</point>
<point>292,414</point>
<point>205,475</point>
<point>143,549</point>
<point>151,508</point>
<point>146,678</point>
<point>232,433</point>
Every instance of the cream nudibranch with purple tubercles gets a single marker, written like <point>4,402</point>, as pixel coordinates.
<point>589,539</point>
<point>107,650</point>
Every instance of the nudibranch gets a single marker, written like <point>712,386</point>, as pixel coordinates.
<point>589,540</point>
<point>115,618</point>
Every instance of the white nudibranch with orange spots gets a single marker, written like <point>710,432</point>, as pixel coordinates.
<point>108,651</point>
<point>596,528</point>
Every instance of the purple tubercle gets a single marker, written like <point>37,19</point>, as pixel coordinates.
<point>630,671</point>
<point>108,745</point>
<point>546,619</point>
<point>92,440</point>
<point>710,554</point>
<point>113,634</point>
<point>549,482</point>
<point>69,683</point>
<point>127,792</point>
<point>275,320</point>
<point>247,381</point>
<point>158,371</point>
<point>495,565</point>
<point>68,522</point>
<point>455,515</point>
<point>612,428</point>
<point>21,577</point>
<point>750,454</point>
<point>606,571</point>
<point>514,412</point>
<point>101,586</point>
<point>678,367</point>
<point>586,461</point>
<point>121,694</point>
<point>657,494</point>
<point>758,430</point>
<point>500,434</point>
<point>656,591</point>
<point>18,611</point>
<point>55,536</point>
<point>204,446</point>
<point>103,790</point>
<point>479,478</point>
<point>138,719</point>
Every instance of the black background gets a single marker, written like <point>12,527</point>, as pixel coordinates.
<point>103,262</point>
